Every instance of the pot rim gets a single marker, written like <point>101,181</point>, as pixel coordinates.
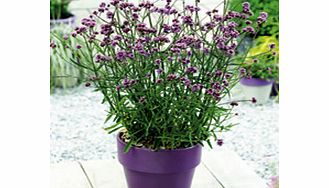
<point>72,17</point>
<point>256,82</point>
<point>161,150</point>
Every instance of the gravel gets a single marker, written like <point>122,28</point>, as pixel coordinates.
<point>77,117</point>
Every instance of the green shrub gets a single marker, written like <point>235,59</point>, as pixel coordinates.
<point>59,9</point>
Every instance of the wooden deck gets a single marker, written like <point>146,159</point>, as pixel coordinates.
<point>219,169</point>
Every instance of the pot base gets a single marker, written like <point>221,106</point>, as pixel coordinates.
<point>137,179</point>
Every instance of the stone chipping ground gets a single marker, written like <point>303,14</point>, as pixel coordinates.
<point>77,117</point>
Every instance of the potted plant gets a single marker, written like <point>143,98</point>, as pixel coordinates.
<point>166,76</point>
<point>261,68</point>
<point>59,13</point>
<point>62,74</point>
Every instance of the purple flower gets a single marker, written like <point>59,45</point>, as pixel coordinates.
<point>271,46</point>
<point>158,81</point>
<point>65,37</point>
<point>196,87</point>
<point>121,55</point>
<point>220,142</point>
<point>206,50</point>
<point>159,71</point>
<point>218,73</point>
<point>216,86</point>
<point>126,82</point>
<point>263,15</point>
<point>171,77</point>
<point>102,5</point>
<point>210,91</point>
<point>218,18</point>
<point>78,46</point>
<point>185,61</point>
<point>216,95</point>
<point>253,100</point>
<point>52,45</point>
<point>191,70</point>
<point>225,82</point>
<point>248,22</point>
<point>243,71</point>
<point>228,75</point>
<point>262,18</point>
<point>118,87</point>
<point>126,30</point>
<point>87,22</point>
<point>135,16</point>
<point>249,29</point>
<point>232,24</point>
<point>186,81</point>
<point>157,61</point>
<point>118,37</point>
<point>230,52</point>
<point>246,5</point>
<point>73,34</point>
<point>187,20</point>
<point>109,15</point>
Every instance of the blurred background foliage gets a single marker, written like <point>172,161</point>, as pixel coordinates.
<point>270,6</point>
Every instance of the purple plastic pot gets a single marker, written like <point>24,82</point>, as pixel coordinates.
<point>255,82</point>
<point>159,169</point>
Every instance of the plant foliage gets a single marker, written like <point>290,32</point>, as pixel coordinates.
<point>163,71</point>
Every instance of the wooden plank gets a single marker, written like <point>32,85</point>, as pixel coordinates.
<point>67,175</point>
<point>105,173</point>
<point>231,170</point>
<point>109,173</point>
<point>204,179</point>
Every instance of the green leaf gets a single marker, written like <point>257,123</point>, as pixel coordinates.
<point>128,146</point>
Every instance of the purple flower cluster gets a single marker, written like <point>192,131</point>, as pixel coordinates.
<point>246,8</point>
<point>171,77</point>
<point>187,20</point>
<point>196,87</point>
<point>144,30</point>
<point>100,58</point>
<point>249,29</point>
<point>121,55</point>
<point>192,9</point>
<point>53,45</point>
<point>262,17</point>
<point>165,42</point>
<point>186,81</point>
<point>128,83</point>
<point>191,70</point>
<point>88,22</point>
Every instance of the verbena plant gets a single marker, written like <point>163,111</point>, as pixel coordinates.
<point>63,74</point>
<point>261,64</point>
<point>164,71</point>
